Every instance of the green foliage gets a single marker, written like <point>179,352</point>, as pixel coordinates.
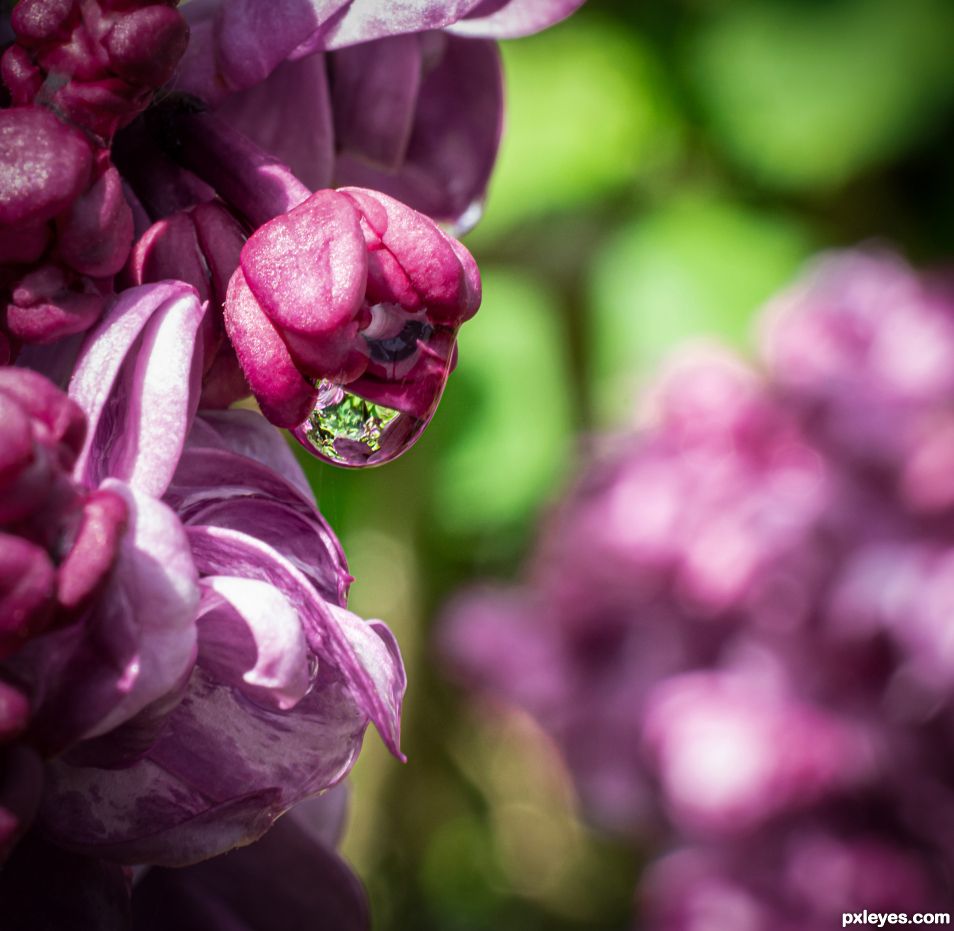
<point>804,95</point>
<point>507,409</point>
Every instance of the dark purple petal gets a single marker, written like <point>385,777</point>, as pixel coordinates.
<point>43,887</point>
<point>289,115</point>
<point>27,590</point>
<point>95,235</point>
<point>222,771</point>
<point>287,879</point>
<point>137,642</point>
<point>375,87</point>
<point>239,43</point>
<point>454,137</point>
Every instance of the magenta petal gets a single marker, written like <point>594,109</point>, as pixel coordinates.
<point>289,115</point>
<point>137,379</point>
<point>511,19</point>
<point>94,549</point>
<point>420,264</point>
<point>44,165</point>
<point>284,396</point>
<point>250,637</point>
<point>307,268</point>
<point>96,234</point>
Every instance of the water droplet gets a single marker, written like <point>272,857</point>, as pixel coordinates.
<point>380,415</point>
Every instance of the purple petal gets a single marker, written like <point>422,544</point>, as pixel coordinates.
<point>250,637</point>
<point>454,137</point>
<point>289,115</point>
<point>365,654</point>
<point>215,487</point>
<point>364,20</point>
<point>239,43</point>
<point>510,19</point>
<point>375,94</point>
<point>137,379</point>
<point>248,434</point>
<point>221,773</point>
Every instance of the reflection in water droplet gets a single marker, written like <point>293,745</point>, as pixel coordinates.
<point>381,414</point>
<point>348,430</point>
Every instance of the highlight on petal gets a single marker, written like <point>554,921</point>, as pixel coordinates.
<point>511,19</point>
<point>250,636</point>
<point>137,379</point>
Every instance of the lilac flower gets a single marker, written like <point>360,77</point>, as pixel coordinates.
<point>736,625</point>
<point>98,593</point>
<point>279,658</point>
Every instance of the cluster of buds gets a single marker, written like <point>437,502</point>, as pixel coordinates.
<point>737,626</point>
<point>74,74</point>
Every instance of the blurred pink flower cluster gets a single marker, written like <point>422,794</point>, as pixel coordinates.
<point>178,667</point>
<point>738,625</point>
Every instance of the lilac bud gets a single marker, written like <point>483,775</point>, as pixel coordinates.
<point>44,165</point>
<point>349,290</point>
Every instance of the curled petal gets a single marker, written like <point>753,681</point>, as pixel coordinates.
<point>248,434</point>
<point>250,637</point>
<point>137,379</point>
<point>365,654</point>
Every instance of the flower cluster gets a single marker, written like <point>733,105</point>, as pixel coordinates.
<point>737,626</point>
<point>178,666</point>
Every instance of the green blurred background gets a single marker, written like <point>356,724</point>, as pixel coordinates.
<point>667,165</point>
